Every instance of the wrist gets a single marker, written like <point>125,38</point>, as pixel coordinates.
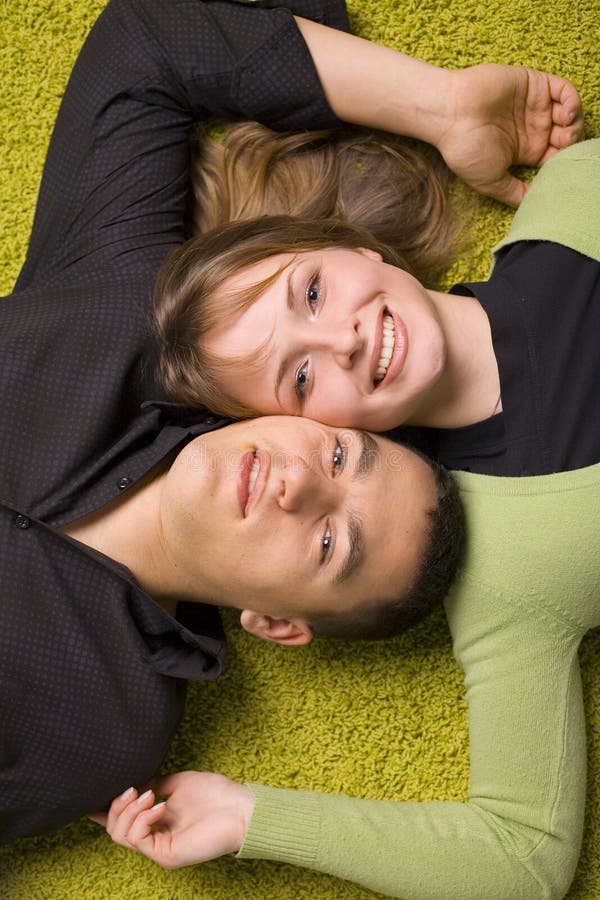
<point>422,101</point>
<point>245,809</point>
<point>375,86</point>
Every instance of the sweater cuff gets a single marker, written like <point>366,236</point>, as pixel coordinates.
<point>285,826</point>
<point>563,199</point>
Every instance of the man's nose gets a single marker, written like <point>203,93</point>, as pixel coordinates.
<point>302,486</point>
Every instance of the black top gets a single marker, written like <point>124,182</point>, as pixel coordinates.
<point>543,303</point>
<point>91,669</point>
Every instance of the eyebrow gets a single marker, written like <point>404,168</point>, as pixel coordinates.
<point>284,365</point>
<point>370,455</point>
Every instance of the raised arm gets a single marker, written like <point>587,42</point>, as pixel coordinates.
<point>482,119</point>
<point>115,180</point>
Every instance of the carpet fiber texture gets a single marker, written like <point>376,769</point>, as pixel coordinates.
<point>386,720</point>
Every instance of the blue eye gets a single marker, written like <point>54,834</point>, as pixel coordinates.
<point>338,458</point>
<point>301,381</point>
<point>313,292</point>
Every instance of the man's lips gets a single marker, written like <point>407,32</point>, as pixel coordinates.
<point>396,363</point>
<point>254,465</point>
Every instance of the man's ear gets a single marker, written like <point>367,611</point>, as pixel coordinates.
<point>287,632</point>
<point>370,254</point>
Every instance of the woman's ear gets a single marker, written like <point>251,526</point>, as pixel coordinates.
<point>287,632</point>
<point>370,254</point>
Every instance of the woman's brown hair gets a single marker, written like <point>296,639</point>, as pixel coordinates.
<point>350,189</point>
<point>395,188</point>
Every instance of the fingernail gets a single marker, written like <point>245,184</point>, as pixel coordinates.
<point>127,793</point>
<point>145,795</point>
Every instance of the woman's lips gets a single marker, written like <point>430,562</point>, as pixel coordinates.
<point>396,363</point>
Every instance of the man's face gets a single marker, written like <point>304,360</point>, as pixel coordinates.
<point>287,517</point>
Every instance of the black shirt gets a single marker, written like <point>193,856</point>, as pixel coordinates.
<point>91,669</point>
<point>543,303</point>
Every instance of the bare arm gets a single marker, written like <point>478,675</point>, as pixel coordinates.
<point>482,119</point>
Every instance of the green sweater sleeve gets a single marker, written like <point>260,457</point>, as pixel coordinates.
<point>517,615</point>
<point>563,203</point>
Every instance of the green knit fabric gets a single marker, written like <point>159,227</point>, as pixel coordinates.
<point>528,591</point>
<point>375,720</point>
<point>559,209</point>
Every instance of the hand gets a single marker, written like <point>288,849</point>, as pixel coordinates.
<point>482,119</point>
<point>502,116</point>
<point>205,816</point>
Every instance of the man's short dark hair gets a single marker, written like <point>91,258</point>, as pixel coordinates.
<point>439,564</point>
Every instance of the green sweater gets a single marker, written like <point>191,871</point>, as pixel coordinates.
<point>528,591</point>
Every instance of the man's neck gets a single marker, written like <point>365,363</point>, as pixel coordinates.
<point>127,530</point>
<point>469,388</point>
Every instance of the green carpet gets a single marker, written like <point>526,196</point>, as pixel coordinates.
<point>374,720</point>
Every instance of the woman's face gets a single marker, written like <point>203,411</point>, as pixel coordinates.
<point>338,336</point>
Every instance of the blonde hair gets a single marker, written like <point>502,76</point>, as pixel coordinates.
<point>261,194</point>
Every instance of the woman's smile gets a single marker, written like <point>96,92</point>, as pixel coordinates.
<point>391,347</point>
<point>333,347</point>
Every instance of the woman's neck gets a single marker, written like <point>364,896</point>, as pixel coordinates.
<point>468,390</point>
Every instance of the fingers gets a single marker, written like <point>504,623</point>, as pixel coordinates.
<point>100,818</point>
<point>566,98</point>
<point>567,112</point>
<point>508,190</point>
<point>123,815</point>
<point>560,138</point>
<point>139,833</point>
<point>165,785</point>
<point>116,808</point>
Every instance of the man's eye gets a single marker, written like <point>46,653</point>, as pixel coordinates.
<point>338,459</point>
<point>327,544</point>
<point>301,381</point>
<point>313,292</point>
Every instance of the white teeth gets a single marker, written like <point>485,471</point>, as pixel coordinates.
<point>253,475</point>
<point>387,347</point>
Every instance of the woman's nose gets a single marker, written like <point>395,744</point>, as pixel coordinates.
<point>342,339</point>
<point>347,345</point>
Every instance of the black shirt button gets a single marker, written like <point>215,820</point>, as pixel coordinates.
<point>210,420</point>
<point>22,522</point>
<point>123,482</point>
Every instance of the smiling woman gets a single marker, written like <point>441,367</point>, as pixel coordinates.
<point>268,317</point>
<point>339,350</point>
<point>281,315</point>
<point>227,317</point>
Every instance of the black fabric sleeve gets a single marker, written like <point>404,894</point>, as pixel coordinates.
<point>114,184</point>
